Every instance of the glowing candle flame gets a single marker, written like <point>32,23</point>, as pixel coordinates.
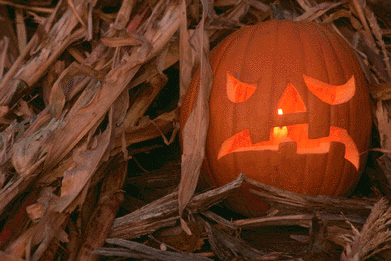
<point>280,132</point>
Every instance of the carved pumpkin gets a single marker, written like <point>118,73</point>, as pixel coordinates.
<point>289,107</point>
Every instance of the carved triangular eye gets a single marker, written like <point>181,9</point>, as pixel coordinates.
<point>238,91</point>
<point>290,101</point>
<point>331,94</point>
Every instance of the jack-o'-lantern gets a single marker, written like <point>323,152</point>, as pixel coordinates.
<point>289,107</point>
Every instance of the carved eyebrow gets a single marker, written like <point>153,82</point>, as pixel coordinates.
<point>331,94</point>
<point>238,91</point>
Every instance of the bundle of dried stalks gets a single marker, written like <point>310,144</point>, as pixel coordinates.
<point>375,235</point>
<point>76,80</point>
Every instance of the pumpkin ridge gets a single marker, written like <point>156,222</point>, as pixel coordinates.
<point>299,186</point>
<point>341,181</point>
<point>333,41</point>
<point>303,64</point>
<point>276,39</point>
<point>336,44</point>
<point>347,53</point>
<point>328,176</point>
<point>229,41</point>
<point>330,65</point>
<point>305,69</point>
<point>334,179</point>
<point>324,57</point>
<point>221,57</point>
<point>251,34</point>
<point>305,185</point>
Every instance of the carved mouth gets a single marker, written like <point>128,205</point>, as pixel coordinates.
<point>297,133</point>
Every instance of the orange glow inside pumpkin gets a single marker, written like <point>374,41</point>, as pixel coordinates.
<point>297,133</point>
<point>238,91</point>
<point>331,94</point>
<point>291,102</point>
<point>280,133</point>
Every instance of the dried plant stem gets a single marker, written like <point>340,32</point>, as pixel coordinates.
<point>149,93</point>
<point>368,37</point>
<point>18,62</point>
<point>20,29</point>
<point>379,37</point>
<point>103,216</point>
<point>375,236</point>
<point>60,36</point>
<point>27,7</point>
<point>287,201</point>
<point>73,8</point>
<point>4,43</point>
<point>140,251</point>
<point>114,84</point>
<point>195,129</point>
<point>164,212</point>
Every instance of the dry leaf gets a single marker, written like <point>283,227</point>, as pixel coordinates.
<point>3,54</point>
<point>185,56</point>
<point>122,41</point>
<point>381,91</point>
<point>87,112</point>
<point>384,126</point>
<point>228,247</point>
<point>177,238</point>
<point>144,99</point>
<point>31,149</point>
<point>9,257</point>
<point>343,13</point>
<point>314,12</point>
<point>147,130</point>
<point>375,236</point>
<point>20,29</point>
<point>18,219</point>
<point>164,211</point>
<point>56,42</point>
<point>71,81</point>
<point>24,110</point>
<point>139,251</point>
<point>85,162</point>
<point>195,129</point>
<point>103,216</point>
<point>377,32</point>
<point>35,211</point>
<point>124,14</point>
<point>366,33</point>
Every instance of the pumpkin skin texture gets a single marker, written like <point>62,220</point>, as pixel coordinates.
<point>289,107</point>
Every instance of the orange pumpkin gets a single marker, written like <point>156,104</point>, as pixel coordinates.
<point>289,107</point>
